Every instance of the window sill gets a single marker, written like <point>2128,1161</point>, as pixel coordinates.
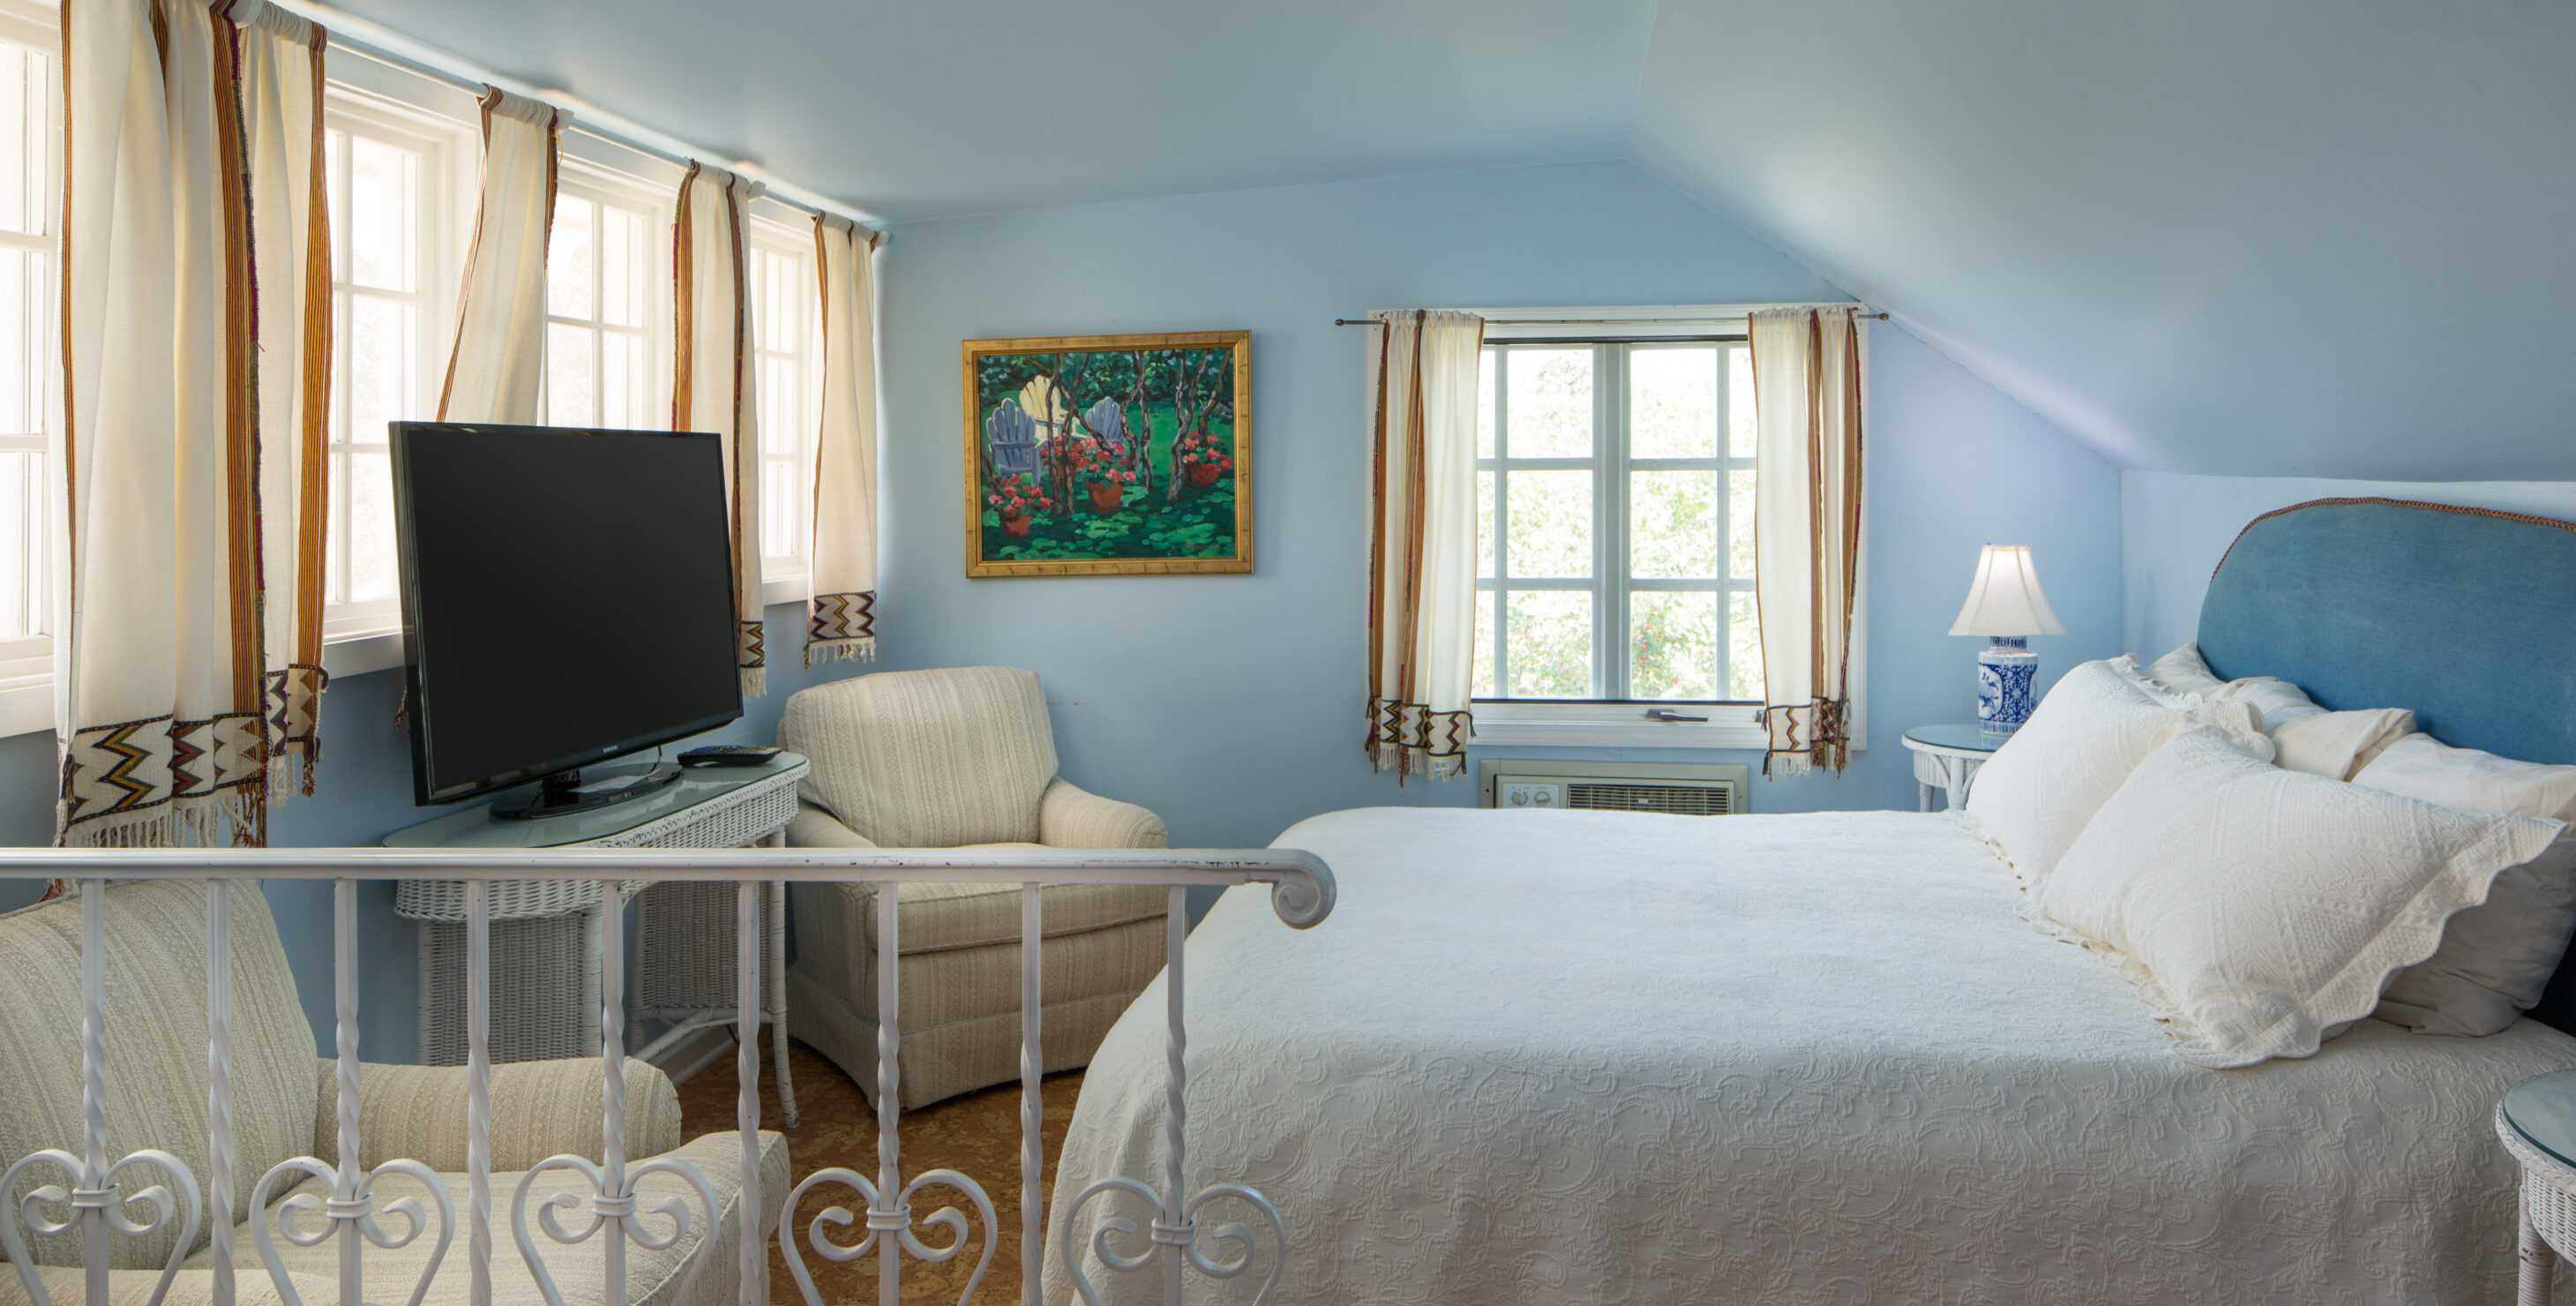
<point>1615,725</point>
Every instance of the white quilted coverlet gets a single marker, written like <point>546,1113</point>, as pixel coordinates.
<point>1575,1056</point>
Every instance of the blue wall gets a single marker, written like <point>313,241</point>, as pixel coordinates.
<point>361,792</point>
<point>2175,528</point>
<point>1233,705</point>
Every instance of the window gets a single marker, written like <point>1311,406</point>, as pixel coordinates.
<point>608,322</point>
<point>30,393</point>
<point>1615,522</point>
<point>387,175</point>
<point>787,330</point>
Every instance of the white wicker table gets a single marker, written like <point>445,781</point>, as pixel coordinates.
<point>545,951</point>
<point>1946,758</point>
<point>2537,1121</point>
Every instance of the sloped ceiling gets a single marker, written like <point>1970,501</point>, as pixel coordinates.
<point>2310,237</point>
<point>2331,239</point>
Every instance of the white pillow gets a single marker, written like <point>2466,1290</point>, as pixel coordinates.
<point>2260,910</point>
<point>2495,957</point>
<point>2184,672</point>
<point>2311,739</point>
<point>2335,747</point>
<point>2037,792</point>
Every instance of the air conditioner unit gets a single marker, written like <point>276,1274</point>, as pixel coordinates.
<point>1684,789</point>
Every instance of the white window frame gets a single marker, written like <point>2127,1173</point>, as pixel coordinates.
<point>365,635</point>
<point>581,180</point>
<point>27,663</point>
<point>783,577</point>
<point>1584,723</point>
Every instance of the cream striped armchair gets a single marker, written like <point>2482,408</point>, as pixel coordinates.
<point>956,758</point>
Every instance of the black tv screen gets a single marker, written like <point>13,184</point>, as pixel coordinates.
<point>567,597</point>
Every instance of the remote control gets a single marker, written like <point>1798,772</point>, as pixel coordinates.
<point>729,755</point>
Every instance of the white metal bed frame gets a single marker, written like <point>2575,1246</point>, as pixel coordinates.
<point>1302,893</point>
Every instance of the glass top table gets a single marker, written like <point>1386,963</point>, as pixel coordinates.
<point>2543,1110</point>
<point>1967,737</point>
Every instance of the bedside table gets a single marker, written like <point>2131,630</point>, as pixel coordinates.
<point>1947,757</point>
<point>2537,1121</point>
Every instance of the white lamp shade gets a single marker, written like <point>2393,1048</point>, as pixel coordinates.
<point>2005,599</point>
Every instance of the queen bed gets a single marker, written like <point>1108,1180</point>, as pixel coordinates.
<point>1572,1056</point>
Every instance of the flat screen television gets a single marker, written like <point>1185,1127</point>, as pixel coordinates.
<point>567,599</point>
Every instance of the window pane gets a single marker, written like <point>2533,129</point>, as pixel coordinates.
<point>624,291</point>
<point>1485,523</point>
<point>1739,523</point>
<point>371,525</point>
<point>568,260</point>
<point>1485,403</point>
<point>1551,523</point>
<point>1551,644</point>
<point>1672,403</point>
<point>622,401</point>
<point>1744,647</point>
<point>781,522</point>
<point>1672,644</point>
<point>382,181</point>
<point>26,98</point>
<point>1481,680</point>
<point>569,376</point>
<point>781,425</point>
<point>22,550</point>
<point>381,366</point>
<point>1551,403</point>
<point>1739,401</point>
<point>22,349</point>
<point>1672,524</point>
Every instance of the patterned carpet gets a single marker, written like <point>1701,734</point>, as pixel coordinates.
<point>977,1134</point>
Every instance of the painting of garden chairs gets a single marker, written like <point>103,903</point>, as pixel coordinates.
<point>1092,455</point>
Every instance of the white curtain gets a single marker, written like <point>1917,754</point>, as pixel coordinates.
<point>498,364</point>
<point>1422,551</point>
<point>281,108</point>
<point>841,607</point>
<point>1807,367</point>
<point>160,633</point>
<point>714,372</point>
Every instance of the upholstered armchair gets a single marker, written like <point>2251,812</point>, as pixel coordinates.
<point>957,758</point>
<point>286,1104</point>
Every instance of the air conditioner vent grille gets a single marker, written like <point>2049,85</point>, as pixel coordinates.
<point>1680,800</point>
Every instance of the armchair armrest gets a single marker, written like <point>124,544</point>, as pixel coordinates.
<point>812,827</point>
<point>539,1108</point>
<point>1071,818</point>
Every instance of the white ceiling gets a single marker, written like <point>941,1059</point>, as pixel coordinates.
<point>2314,237</point>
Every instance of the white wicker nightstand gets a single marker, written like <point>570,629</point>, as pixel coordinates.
<point>2537,1121</point>
<point>1946,758</point>
<point>545,947</point>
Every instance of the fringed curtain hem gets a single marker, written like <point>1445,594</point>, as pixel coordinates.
<point>841,628</point>
<point>1805,738</point>
<point>1410,739</point>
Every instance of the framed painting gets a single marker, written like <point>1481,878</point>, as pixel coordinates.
<point>1109,455</point>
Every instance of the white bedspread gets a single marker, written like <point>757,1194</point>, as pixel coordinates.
<point>1573,1057</point>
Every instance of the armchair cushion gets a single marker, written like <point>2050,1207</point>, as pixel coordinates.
<point>812,827</point>
<point>1071,818</point>
<point>926,759</point>
<point>539,1109</point>
<point>156,1044</point>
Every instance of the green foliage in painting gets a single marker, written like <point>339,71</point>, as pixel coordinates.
<point>1107,454</point>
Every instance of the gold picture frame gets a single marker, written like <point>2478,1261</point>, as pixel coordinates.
<point>1108,455</point>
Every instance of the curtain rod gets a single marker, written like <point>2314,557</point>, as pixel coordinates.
<point>372,41</point>
<point>1587,321</point>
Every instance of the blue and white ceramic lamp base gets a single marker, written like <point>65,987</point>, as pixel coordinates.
<point>2005,669</point>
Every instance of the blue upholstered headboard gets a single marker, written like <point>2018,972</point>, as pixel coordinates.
<point>2464,615</point>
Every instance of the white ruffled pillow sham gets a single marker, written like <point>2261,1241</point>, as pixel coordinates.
<point>2260,910</point>
<point>2496,957</point>
<point>2038,792</point>
<point>2305,737</point>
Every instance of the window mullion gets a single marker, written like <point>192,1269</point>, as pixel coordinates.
<point>1724,685</point>
<point>1610,517</point>
<point>1502,524</point>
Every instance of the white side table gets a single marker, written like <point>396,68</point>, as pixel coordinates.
<point>2537,1121</point>
<point>1946,758</point>
<point>545,941</point>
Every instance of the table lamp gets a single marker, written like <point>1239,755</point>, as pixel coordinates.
<point>2005,605</point>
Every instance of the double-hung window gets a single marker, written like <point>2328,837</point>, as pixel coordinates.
<point>1615,533</point>
<point>390,172</point>
<point>787,333</point>
<point>608,310</point>
<point>30,389</point>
